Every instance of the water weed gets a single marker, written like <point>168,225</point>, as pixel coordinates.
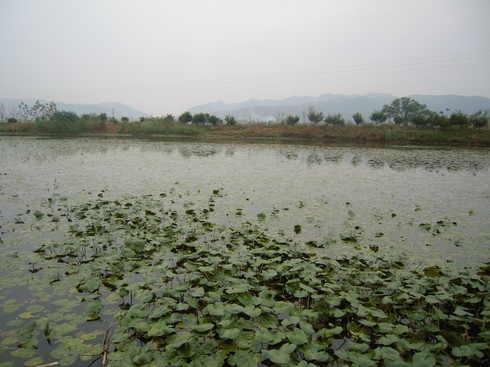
<point>157,280</point>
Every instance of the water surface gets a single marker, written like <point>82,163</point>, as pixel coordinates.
<point>427,206</point>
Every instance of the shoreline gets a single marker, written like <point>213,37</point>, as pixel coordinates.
<point>366,135</point>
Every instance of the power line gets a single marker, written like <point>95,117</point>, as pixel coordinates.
<point>400,66</point>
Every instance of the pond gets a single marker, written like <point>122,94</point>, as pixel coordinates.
<point>425,207</point>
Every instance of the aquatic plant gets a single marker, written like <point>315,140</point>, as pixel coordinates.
<point>156,280</point>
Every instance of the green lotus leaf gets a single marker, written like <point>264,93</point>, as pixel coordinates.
<point>245,299</point>
<point>238,288</point>
<point>278,356</point>
<point>315,352</point>
<point>216,309</point>
<point>284,307</point>
<point>179,339</point>
<point>328,333</point>
<point>38,214</point>
<point>230,333</point>
<point>469,350</point>
<point>252,311</point>
<point>201,328</point>
<point>423,359</point>
<point>142,359</point>
<point>291,320</point>
<point>92,284</point>
<point>234,308</point>
<point>182,306</point>
<point>297,336</point>
<point>197,292</point>
<point>264,335</point>
<point>306,327</point>
<point>244,358</point>
<point>388,339</point>
<point>160,328</point>
<point>358,359</point>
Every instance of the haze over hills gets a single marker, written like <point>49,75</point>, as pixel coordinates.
<point>115,109</point>
<point>346,105</point>
<point>277,109</point>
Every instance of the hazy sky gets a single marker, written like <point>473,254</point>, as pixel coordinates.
<point>167,56</point>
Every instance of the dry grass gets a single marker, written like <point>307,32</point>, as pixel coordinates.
<point>368,133</point>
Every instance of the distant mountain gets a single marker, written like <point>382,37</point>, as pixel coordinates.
<point>118,109</point>
<point>346,105</point>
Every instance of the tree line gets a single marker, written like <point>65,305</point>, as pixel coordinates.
<point>401,111</point>
<point>407,111</point>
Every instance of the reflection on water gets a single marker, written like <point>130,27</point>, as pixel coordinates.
<point>425,207</point>
<point>331,191</point>
<point>400,159</point>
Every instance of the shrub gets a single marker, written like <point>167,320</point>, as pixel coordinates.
<point>200,118</point>
<point>186,117</point>
<point>214,120</point>
<point>358,119</point>
<point>292,120</point>
<point>336,119</point>
<point>458,118</point>
<point>479,119</point>
<point>378,117</point>
<point>314,116</point>
<point>230,120</point>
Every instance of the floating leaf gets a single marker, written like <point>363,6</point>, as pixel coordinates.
<point>230,333</point>
<point>91,285</point>
<point>423,359</point>
<point>201,328</point>
<point>160,328</point>
<point>216,309</point>
<point>233,308</point>
<point>252,311</point>
<point>297,336</point>
<point>281,355</point>
<point>92,310</point>
<point>38,214</point>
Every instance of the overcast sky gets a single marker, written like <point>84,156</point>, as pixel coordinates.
<point>167,56</point>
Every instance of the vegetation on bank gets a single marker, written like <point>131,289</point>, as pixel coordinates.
<point>403,121</point>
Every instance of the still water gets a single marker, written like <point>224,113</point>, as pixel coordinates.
<point>428,206</point>
<point>434,203</point>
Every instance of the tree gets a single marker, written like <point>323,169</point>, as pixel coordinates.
<point>230,120</point>
<point>335,119</point>
<point>185,117</point>
<point>103,117</point>
<point>314,116</point>
<point>214,120</point>
<point>378,117</point>
<point>124,119</point>
<point>479,119</point>
<point>431,118</point>
<point>38,111</point>
<point>402,110</point>
<point>64,116</point>
<point>169,118</point>
<point>200,118</point>
<point>3,112</point>
<point>458,118</point>
<point>358,119</point>
<point>61,122</point>
<point>292,120</point>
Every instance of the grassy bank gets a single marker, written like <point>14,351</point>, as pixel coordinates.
<point>366,133</point>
